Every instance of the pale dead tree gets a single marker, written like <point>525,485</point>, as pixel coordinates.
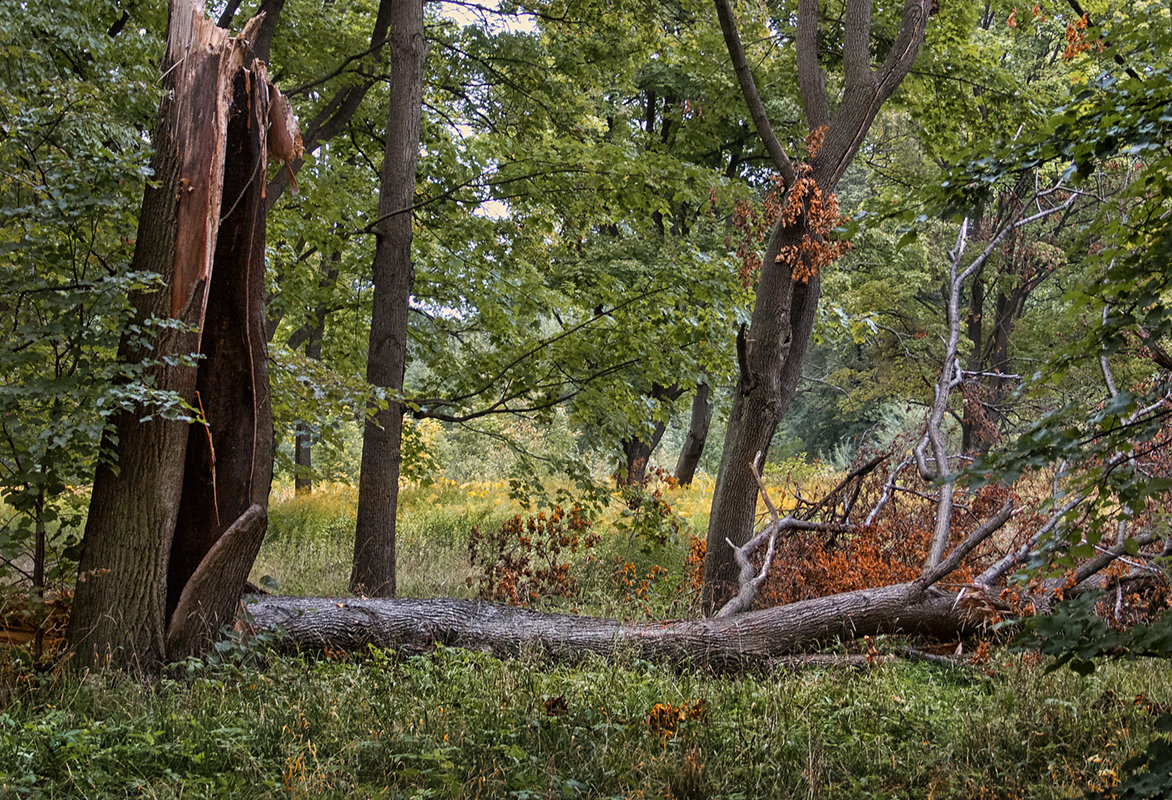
<point>936,468</point>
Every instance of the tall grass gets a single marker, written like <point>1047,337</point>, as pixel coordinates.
<point>309,547</point>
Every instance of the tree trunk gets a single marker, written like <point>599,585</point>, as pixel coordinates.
<point>636,455</point>
<point>693,447</point>
<point>309,623</point>
<point>303,438</point>
<point>770,352</point>
<point>156,511</point>
<point>373,572</point>
<point>229,460</point>
<point>311,334</point>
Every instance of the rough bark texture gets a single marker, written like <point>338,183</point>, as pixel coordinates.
<point>373,572</point>
<point>310,623</point>
<point>121,603</point>
<point>771,350</point>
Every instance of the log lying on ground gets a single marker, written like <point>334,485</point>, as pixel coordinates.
<point>317,623</point>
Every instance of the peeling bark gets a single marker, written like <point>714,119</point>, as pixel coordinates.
<point>167,491</point>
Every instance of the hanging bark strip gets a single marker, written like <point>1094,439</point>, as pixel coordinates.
<point>161,481</point>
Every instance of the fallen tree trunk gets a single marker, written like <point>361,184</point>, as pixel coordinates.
<point>317,623</point>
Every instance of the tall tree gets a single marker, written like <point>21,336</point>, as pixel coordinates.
<point>394,274</point>
<point>771,349</point>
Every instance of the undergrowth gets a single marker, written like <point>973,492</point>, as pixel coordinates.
<point>456,724</point>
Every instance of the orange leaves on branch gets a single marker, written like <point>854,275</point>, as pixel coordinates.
<point>817,214</point>
<point>1076,40</point>
<point>750,225</point>
<point>810,564</point>
<point>697,550</point>
<point>814,140</point>
<point>637,588</point>
<point>803,204</point>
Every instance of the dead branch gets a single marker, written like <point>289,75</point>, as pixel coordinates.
<point>750,578</point>
<point>983,532</point>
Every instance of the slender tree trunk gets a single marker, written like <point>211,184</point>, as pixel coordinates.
<point>311,335</point>
<point>771,350</point>
<point>373,572</point>
<point>153,508</point>
<point>303,438</point>
<point>303,459</point>
<point>693,447</point>
<point>636,456</point>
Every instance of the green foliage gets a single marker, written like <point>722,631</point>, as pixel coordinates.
<point>1078,637</point>
<point>452,723</point>
<point>1118,121</point>
<point>75,106</point>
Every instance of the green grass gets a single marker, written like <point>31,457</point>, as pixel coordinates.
<point>249,723</point>
<point>309,546</point>
<point>457,724</point>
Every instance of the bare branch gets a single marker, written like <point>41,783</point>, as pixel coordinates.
<point>888,492</point>
<point>764,492</point>
<point>1107,555</point>
<point>983,532</point>
<point>736,52</point>
<point>1104,366</point>
<point>749,578</point>
<point>1019,556</point>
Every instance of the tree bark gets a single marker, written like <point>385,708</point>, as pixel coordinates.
<point>754,637</point>
<point>373,571</point>
<point>145,517</point>
<point>636,456</point>
<point>771,350</point>
<point>693,447</point>
<point>770,355</point>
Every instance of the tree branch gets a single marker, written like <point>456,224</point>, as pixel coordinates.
<point>983,532</point>
<point>736,52</point>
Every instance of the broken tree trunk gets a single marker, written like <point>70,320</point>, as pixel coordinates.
<point>178,507</point>
<point>309,623</point>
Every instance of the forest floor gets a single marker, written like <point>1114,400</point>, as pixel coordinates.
<point>249,723</point>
